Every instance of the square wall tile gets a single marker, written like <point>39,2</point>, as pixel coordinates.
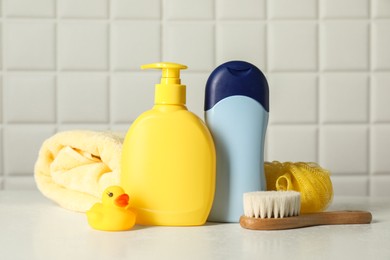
<point>241,41</point>
<point>190,43</point>
<point>1,157</point>
<point>83,98</point>
<point>380,45</point>
<point>2,40</point>
<point>293,98</point>
<point>380,8</point>
<point>380,149</point>
<point>1,102</point>
<point>292,143</point>
<point>344,98</point>
<point>379,186</point>
<point>134,44</point>
<point>21,147</point>
<point>132,94</point>
<point>244,9</point>
<point>350,185</point>
<point>344,149</point>
<point>83,45</point>
<point>189,9</point>
<point>30,98</point>
<point>380,93</point>
<point>292,46</point>
<point>344,8</point>
<point>31,8</point>
<point>83,8</point>
<point>21,183</point>
<point>344,45</point>
<point>280,9</point>
<point>30,45</point>
<point>145,9</point>
<point>196,84</point>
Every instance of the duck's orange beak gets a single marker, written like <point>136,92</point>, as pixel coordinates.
<point>122,200</point>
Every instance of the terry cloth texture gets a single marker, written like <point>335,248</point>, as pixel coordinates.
<point>74,167</point>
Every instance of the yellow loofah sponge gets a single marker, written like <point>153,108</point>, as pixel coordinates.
<point>312,181</point>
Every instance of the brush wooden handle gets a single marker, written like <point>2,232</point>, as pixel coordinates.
<point>307,220</point>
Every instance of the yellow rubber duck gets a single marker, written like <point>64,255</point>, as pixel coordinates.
<point>113,214</point>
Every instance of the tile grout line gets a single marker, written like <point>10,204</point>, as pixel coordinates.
<point>163,23</point>
<point>266,72</point>
<point>215,20</point>
<point>2,128</point>
<point>318,81</point>
<point>3,105</point>
<point>57,62</point>
<point>266,36</point>
<point>369,83</point>
<point>109,89</point>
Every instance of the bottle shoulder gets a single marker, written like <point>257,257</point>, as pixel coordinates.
<point>169,131</point>
<point>178,117</point>
<point>180,125</point>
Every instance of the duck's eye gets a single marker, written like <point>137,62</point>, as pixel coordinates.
<point>110,194</point>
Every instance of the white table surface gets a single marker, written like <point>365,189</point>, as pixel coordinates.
<point>32,227</point>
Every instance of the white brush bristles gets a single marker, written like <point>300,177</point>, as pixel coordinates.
<point>272,204</point>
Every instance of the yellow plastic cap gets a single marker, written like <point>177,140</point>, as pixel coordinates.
<point>169,91</point>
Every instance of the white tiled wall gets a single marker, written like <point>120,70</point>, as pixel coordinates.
<point>71,64</point>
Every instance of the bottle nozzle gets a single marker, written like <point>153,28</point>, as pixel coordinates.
<point>170,71</point>
<point>170,90</point>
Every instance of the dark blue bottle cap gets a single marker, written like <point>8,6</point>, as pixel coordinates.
<point>236,78</point>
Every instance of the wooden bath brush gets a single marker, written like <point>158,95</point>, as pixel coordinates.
<point>277,210</point>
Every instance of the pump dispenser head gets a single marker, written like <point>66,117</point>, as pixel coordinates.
<point>169,91</point>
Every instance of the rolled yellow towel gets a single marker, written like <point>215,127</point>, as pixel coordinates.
<point>74,167</point>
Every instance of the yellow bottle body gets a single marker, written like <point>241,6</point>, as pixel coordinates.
<point>168,167</point>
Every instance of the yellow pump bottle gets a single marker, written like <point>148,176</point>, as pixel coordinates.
<point>168,158</point>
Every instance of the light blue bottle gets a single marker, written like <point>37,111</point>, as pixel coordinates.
<point>236,113</point>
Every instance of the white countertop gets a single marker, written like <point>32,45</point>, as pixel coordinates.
<point>32,227</point>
